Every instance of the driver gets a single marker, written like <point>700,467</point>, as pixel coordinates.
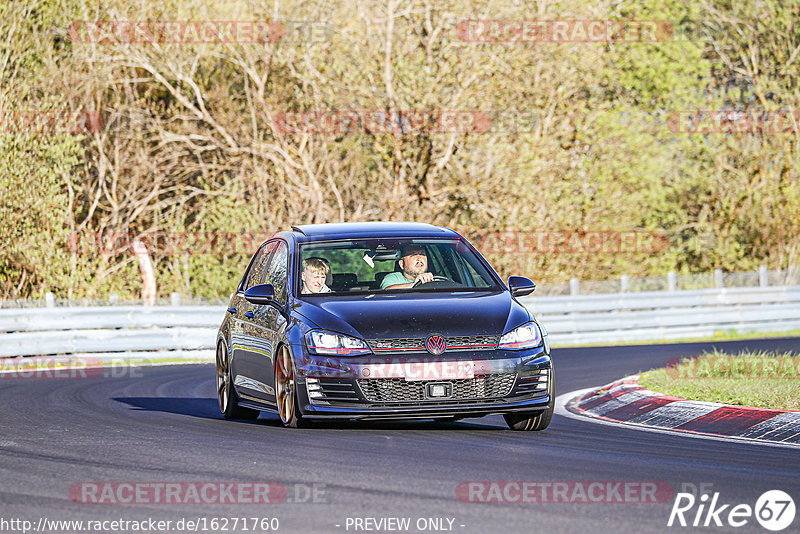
<point>413,264</point>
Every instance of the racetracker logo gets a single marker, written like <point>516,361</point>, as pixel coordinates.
<point>732,122</point>
<point>774,510</point>
<point>166,243</point>
<point>568,242</point>
<point>176,31</point>
<point>52,367</point>
<point>747,367</point>
<point>177,492</point>
<point>573,491</point>
<point>416,369</point>
<point>378,122</point>
<point>203,493</point>
<point>50,122</point>
<point>564,31</point>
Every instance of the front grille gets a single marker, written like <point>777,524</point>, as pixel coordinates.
<point>401,343</point>
<point>400,390</point>
<point>472,342</point>
<point>454,343</point>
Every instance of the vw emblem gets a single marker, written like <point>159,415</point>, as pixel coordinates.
<point>435,344</point>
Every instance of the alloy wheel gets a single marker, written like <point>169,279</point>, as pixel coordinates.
<point>223,378</point>
<point>285,385</point>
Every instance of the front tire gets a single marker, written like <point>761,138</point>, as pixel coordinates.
<point>286,391</point>
<point>226,395</point>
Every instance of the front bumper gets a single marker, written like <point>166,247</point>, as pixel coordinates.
<point>500,382</point>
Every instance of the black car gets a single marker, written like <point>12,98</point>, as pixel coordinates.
<point>381,321</point>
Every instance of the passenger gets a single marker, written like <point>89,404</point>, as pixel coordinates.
<point>315,272</point>
<point>413,264</point>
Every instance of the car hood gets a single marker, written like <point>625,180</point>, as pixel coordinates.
<point>398,315</point>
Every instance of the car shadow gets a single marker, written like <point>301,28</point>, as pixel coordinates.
<point>192,407</point>
<point>208,409</point>
<point>427,424</point>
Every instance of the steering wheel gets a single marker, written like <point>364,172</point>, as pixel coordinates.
<point>435,279</point>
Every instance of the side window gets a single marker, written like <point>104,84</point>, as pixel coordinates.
<point>276,273</point>
<point>243,284</point>
<point>256,273</point>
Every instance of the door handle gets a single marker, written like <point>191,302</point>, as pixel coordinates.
<point>232,310</point>
<point>249,314</point>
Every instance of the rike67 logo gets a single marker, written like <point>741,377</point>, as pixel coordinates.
<point>774,510</point>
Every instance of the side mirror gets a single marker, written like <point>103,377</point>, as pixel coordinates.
<point>520,286</point>
<point>260,294</point>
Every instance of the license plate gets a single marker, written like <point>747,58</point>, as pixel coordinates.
<point>413,371</point>
<point>440,370</point>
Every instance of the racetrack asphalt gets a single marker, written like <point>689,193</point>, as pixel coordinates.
<point>162,424</point>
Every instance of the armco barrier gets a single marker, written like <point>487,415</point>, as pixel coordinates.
<point>187,331</point>
<point>620,317</point>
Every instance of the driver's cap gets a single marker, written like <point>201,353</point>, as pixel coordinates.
<point>410,248</point>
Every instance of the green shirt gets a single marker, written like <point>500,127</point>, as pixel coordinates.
<point>392,279</point>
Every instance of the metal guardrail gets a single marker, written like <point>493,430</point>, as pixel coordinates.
<point>44,319</point>
<point>648,300</point>
<point>107,340</point>
<point>184,331</point>
<point>654,315</point>
<point>104,329</point>
<point>674,281</point>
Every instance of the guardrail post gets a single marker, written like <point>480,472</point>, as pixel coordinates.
<point>113,299</point>
<point>624,283</point>
<point>49,300</point>
<point>672,281</point>
<point>573,286</point>
<point>175,299</point>
<point>763,281</point>
<point>718,281</point>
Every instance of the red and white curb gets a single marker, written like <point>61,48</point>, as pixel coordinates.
<point>625,401</point>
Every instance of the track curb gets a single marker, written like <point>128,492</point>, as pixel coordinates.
<point>626,401</point>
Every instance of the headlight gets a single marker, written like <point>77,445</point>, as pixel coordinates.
<point>526,336</point>
<point>322,342</point>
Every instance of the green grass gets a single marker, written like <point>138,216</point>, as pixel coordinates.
<point>759,379</point>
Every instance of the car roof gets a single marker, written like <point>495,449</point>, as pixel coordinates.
<point>360,230</point>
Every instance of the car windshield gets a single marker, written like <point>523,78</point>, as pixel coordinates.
<point>389,265</point>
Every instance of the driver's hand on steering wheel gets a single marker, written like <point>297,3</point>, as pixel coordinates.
<point>424,277</point>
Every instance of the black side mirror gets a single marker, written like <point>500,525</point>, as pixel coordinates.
<point>260,294</point>
<point>520,286</point>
